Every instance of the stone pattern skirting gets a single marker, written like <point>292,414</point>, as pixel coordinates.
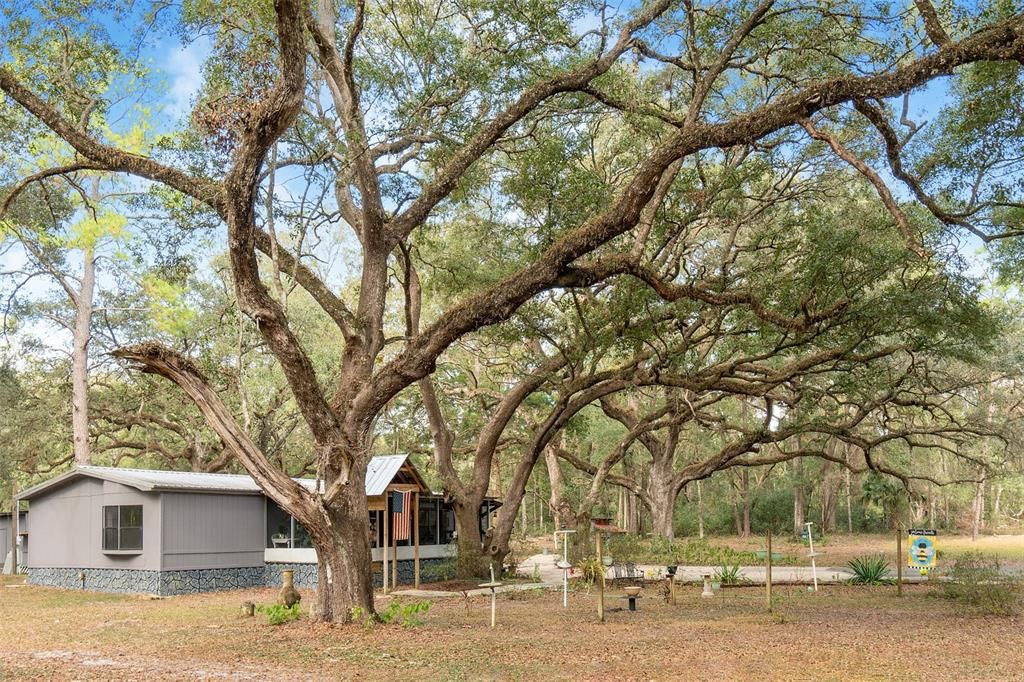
<point>163,583</point>
<point>211,580</point>
<point>97,579</point>
<point>306,574</point>
<point>169,583</point>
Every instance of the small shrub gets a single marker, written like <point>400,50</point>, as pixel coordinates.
<point>690,552</point>
<point>443,570</point>
<point>407,615</point>
<point>870,570</point>
<point>977,583</point>
<point>730,575</point>
<point>360,615</point>
<point>525,595</point>
<point>278,614</point>
<point>590,570</point>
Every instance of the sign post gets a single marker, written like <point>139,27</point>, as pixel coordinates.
<point>899,562</point>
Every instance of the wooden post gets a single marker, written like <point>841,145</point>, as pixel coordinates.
<point>394,563</point>
<point>386,544</point>
<point>416,537</point>
<point>768,571</point>
<point>899,562</point>
<point>600,586</point>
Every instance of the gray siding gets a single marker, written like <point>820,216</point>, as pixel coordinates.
<point>67,527</point>
<point>209,530</point>
<point>7,536</point>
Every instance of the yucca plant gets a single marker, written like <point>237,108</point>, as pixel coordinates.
<point>870,570</point>
<point>730,575</point>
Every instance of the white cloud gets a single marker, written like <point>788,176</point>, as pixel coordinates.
<point>184,69</point>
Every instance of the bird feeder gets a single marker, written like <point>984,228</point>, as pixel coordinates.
<point>708,592</point>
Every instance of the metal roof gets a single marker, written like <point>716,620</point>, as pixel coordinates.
<point>381,471</point>
<point>379,474</point>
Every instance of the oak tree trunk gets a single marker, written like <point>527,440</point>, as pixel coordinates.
<point>662,495</point>
<point>344,577</point>
<point>471,560</point>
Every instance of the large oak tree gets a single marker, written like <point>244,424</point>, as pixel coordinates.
<point>418,99</point>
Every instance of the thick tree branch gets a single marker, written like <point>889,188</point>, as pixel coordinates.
<point>902,222</point>
<point>152,358</point>
<point>1002,41</point>
<point>448,176</point>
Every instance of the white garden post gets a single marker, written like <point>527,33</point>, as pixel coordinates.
<point>812,554</point>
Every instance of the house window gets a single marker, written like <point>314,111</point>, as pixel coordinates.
<point>428,522</point>
<point>122,528</point>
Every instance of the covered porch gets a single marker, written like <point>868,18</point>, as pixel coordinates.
<point>409,527</point>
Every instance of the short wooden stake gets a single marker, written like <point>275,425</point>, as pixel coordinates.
<point>899,562</point>
<point>768,571</point>
<point>600,584</point>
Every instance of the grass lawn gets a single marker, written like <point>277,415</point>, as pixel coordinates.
<point>841,633</point>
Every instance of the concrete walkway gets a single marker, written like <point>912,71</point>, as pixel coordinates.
<point>781,575</point>
<point>511,587</point>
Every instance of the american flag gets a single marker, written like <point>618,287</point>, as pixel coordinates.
<point>402,521</point>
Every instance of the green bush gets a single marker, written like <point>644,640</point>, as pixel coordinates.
<point>407,615</point>
<point>589,570</point>
<point>278,614</point>
<point>977,582</point>
<point>730,575</point>
<point>689,552</point>
<point>870,570</point>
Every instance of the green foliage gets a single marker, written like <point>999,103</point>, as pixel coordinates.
<point>870,570</point>
<point>407,615</point>
<point>525,595</point>
<point>729,574</point>
<point>691,552</point>
<point>441,571</point>
<point>279,614</point>
<point>886,495</point>
<point>589,569</point>
<point>977,583</point>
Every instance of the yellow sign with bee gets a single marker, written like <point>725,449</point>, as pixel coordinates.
<point>921,549</point>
